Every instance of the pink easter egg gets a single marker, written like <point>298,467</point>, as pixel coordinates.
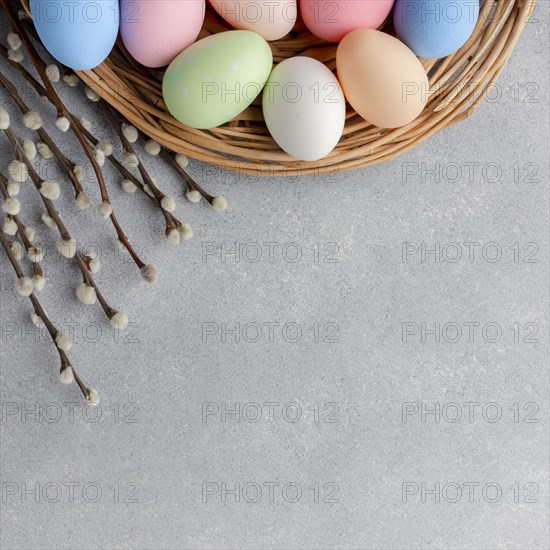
<point>331,20</point>
<point>155,32</point>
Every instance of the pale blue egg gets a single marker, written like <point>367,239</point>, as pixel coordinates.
<point>78,33</point>
<point>435,28</point>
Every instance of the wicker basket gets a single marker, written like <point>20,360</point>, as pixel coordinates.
<point>458,83</point>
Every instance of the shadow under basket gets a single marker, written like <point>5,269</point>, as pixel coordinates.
<point>458,84</point>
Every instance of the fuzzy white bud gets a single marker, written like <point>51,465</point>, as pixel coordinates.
<point>119,320</point>
<point>39,282</point>
<point>219,203</point>
<point>52,72</point>
<point>130,132</point>
<point>193,196</point>
<point>48,220</point>
<point>13,188</point>
<point>173,236</point>
<point>66,248</point>
<point>86,123</point>
<point>11,206</point>
<point>82,200</point>
<point>37,320</point>
<point>99,157</point>
<point>152,147</point>
<point>16,250</point>
<point>18,171</point>
<point>93,263</point>
<point>35,254</point>
<point>44,151</point>
<point>32,120</point>
<point>9,227</point>
<point>66,376</point>
<point>79,172</point>
<point>62,123</point>
<point>24,286</point>
<point>130,159</point>
<point>86,294</point>
<point>15,55</point>
<point>182,160</point>
<point>30,149</point>
<point>50,189</point>
<point>105,147</point>
<point>14,41</point>
<point>105,209</point>
<point>148,190</point>
<point>29,232</point>
<point>93,397</point>
<point>92,95</point>
<point>186,231</point>
<point>4,119</point>
<point>168,203</point>
<point>150,273</point>
<point>71,79</point>
<point>63,342</point>
<point>129,186</point>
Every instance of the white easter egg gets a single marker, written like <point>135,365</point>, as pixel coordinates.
<point>304,108</point>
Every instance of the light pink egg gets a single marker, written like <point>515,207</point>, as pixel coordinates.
<point>271,19</point>
<point>331,20</point>
<point>156,31</point>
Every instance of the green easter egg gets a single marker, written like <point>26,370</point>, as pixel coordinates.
<point>216,78</point>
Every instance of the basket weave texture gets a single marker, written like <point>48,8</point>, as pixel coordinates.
<point>458,84</point>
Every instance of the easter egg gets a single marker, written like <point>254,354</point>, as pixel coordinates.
<point>271,19</point>
<point>78,33</point>
<point>216,78</point>
<point>331,20</point>
<point>155,32</point>
<point>304,108</point>
<point>382,79</point>
<point>435,28</point>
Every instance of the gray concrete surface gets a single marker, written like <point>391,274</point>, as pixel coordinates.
<point>334,445</point>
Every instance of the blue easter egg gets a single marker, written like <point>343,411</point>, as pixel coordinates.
<point>78,33</point>
<point>435,28</point>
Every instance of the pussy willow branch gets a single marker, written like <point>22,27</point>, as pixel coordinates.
<point>66,164</point>
<point>20,225</point>
<point>63,231</point>
<point>62,111</point>
<point>147,179</point>
<point>192,185</point>
<point>39,310</point>
<point>126,174</point>
<point>127,146</point>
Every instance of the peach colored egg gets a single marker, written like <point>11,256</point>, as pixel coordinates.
<point>271,19</point>
<point>332,19</point>
<point>382,79</point>
<point>155,32</point>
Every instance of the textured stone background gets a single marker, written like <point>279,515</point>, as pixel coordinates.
<point>157,464</point>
